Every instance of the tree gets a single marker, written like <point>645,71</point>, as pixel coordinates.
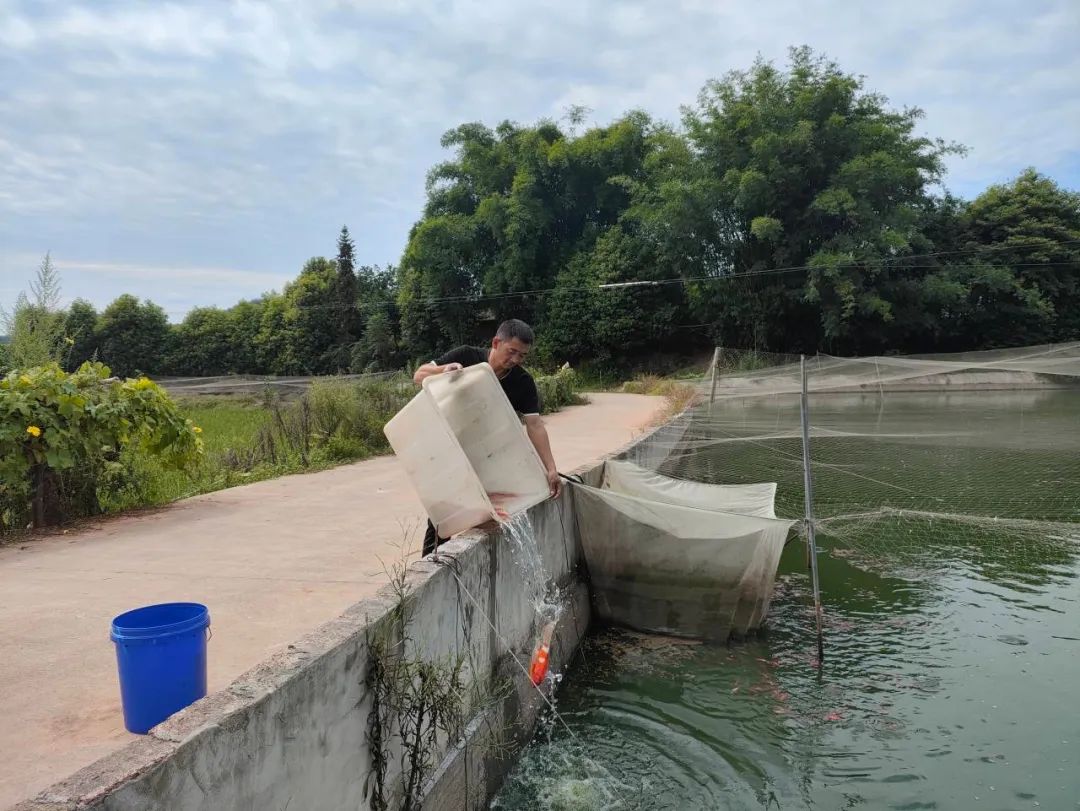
<point>297,328</point>
<point>802,168</point>
<point>273,350</point>
<point>507,215</point>
<point>204,343</point>
<point>246,318</point>
<point>378,349</point>
<point>35,326</point>
<point>345,301</point>
<point>1031,226</point>
<point>133,336</point>
<point>313,317</point>
<point>80,330</point>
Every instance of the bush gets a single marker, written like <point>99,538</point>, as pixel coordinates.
<point>337,420</point>
<point>357,411</point>
<point>62,437</point>
<point>559,390</point>
<point>679,395</point>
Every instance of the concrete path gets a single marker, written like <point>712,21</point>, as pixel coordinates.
<point>272,560</point>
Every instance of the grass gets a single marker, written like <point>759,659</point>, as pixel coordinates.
<point>248,439</point>
<point>679,394</point>
<point>229,425</point>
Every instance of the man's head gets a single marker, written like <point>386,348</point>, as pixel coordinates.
<point>510,346</point>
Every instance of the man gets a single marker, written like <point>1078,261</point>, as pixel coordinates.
<point>508,351</point>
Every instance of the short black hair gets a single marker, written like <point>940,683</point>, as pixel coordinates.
<point>515,328</point>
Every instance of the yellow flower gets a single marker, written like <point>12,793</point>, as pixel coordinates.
<point>24,379</point>
<point>69,341</point>
<point>33,430</point>
<point>143,383</point>
<point>196,429</point>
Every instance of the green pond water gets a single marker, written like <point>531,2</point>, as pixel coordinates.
<point>951,677</point>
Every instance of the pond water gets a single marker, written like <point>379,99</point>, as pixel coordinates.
<point>952,650</point>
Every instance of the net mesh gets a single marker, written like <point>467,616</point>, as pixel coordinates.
<point>956,452</point>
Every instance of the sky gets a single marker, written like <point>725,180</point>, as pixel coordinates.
<point>198,153</point>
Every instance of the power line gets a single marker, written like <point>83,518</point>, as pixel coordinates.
<point>903,261</point>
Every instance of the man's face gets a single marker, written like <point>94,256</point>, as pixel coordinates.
<point>505,355</point>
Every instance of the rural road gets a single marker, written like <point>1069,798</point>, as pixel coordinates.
<point>272,560</point>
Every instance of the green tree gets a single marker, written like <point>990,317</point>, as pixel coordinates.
<point>273,350</point>
<point>1031,226</point>
<point>345,301</point>
<point>297,328</point>
<point>794,168</point>
<point>508,214</point>
<point>204,343</point>
<point>312,317</point>
<point>378,349</point>
<point>80,328</point>
<point>133,336</point>
<point>35,326</point>
<point>246,318</point>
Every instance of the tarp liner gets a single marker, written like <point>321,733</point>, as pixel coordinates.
<point>747,499</point>
<point>661,559</point>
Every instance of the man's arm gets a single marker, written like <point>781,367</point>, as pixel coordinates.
<point>431,369</point>
<point>538,435</point>
<point>452,361</point>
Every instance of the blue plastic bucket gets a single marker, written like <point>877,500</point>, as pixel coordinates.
<point>161,657</point>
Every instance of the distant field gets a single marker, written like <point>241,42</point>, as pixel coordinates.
<point>228,425</point>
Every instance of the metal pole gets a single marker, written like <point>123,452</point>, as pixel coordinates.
<point>715,364</point>
<point>808,501</point>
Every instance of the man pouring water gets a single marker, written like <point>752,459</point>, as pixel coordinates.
<point>508,351</point>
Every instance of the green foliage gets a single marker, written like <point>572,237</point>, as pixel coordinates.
<point>1032,227</point>
<point>246,319</point>
<point>379,349</point>
<point>61,437</point>
<point>559,390</point>
<point>802,167</point>
<point>511,212</point>
<point>80,329</point>
<point>344,300</point>
<point>204,343</point>
<point>35,326</point>
<point>133,336</point>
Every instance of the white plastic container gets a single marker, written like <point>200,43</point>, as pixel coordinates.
<point>466,452</point>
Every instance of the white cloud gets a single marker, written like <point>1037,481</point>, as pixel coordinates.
<point>201,134</point>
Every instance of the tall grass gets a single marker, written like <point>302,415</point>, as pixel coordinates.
<point>679,395</point>
<point>247,440</point>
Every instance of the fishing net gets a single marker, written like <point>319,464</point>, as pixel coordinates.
<point>960,452</point>
<point>678,557</point>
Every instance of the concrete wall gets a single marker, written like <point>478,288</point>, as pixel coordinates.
<point>293,732</point>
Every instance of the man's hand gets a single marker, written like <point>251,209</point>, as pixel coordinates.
<point>430,369</point>
<point>534,427</point>
<point>555,483</point>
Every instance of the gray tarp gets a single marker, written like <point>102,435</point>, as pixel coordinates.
<point>679,557</point>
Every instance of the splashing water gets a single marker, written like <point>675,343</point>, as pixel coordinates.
<point>562,777</point>
<point>541,591</point>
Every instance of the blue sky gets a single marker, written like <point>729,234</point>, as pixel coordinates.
<point>197,153</point>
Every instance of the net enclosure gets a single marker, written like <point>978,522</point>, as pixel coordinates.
<point>958,453</point>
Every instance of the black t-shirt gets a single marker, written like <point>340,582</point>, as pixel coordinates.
<point>518,385</point>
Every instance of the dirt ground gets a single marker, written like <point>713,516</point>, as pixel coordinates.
<point>272,560</point>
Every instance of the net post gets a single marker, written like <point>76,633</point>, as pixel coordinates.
<point>715,364</point>
<point>808,503</point>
